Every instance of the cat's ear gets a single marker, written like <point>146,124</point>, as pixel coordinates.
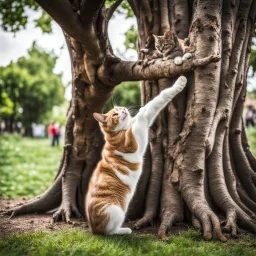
<point>155,37</point>
<point>176,40</point>
<point>100,117</point>
<point>168,34</point>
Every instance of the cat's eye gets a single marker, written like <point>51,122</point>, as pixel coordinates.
<point>115,114</point>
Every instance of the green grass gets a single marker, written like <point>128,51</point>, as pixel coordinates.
<point>251,134</point>
<point>78,242</point>
<point>27,166</point>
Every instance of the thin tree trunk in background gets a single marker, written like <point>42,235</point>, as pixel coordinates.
<point>198,166</point>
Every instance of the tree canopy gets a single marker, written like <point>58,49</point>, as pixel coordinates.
<point>14,16</point>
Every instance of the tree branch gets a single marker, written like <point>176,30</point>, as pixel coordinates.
<point>165,25</point>
<point>62,12</point>
<point>131,71</point>
<point>131,3</point>
<point>106,45</point>
<point>219,116</point>
<point>112,9</point>
<point>89,10</point>
<point>147,11</point>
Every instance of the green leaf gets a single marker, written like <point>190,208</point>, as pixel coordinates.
<point>13,15</point>
<point>44,22</point>
<point>131,38</point>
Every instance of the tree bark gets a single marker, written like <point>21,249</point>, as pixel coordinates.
<point>198,156</point>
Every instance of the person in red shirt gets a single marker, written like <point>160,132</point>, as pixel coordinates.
<point>53,133</point>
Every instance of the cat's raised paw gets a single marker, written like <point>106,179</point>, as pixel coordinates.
<point>182,80</point>
<point>180,83</point>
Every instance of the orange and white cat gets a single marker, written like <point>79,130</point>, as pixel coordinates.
<point>114,180</point>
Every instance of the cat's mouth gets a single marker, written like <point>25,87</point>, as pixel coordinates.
<point>124,116</point>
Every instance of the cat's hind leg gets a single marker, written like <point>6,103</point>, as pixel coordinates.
<point>123,231</point>
<point>116,219</point>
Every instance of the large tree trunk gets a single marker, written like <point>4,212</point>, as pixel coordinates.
<point>198,157</point>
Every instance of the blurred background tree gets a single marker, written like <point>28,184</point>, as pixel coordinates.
<point>126,94</point>
<point>29,89</point>
<point>253,54</point>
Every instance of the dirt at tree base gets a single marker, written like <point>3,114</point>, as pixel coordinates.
<point>43,222</point>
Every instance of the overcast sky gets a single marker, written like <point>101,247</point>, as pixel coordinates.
<point>14,46</point>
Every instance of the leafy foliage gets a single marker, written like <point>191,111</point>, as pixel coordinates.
<point>124,8</point>
<point>44,22</point>
<point>13,14</point>
<point>29,88</point>
<point>127,94</point>
<point>252,62</point>
<point>131,38</point>
<point>6,104</point>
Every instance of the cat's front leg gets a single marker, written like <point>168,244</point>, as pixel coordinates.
<point>187,56</point>
<point>179,60</point>
<point>152,109</point>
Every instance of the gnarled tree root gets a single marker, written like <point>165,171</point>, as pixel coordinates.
<point>43,203</point>
<point>171,209</point>
<point>65,211</point>
<point>71,176</point>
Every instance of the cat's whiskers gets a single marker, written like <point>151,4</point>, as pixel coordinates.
<point>115,100</point>
<point>133,110</point>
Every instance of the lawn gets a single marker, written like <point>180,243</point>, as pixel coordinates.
<point>251,134</point>
<point>27,168</point>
